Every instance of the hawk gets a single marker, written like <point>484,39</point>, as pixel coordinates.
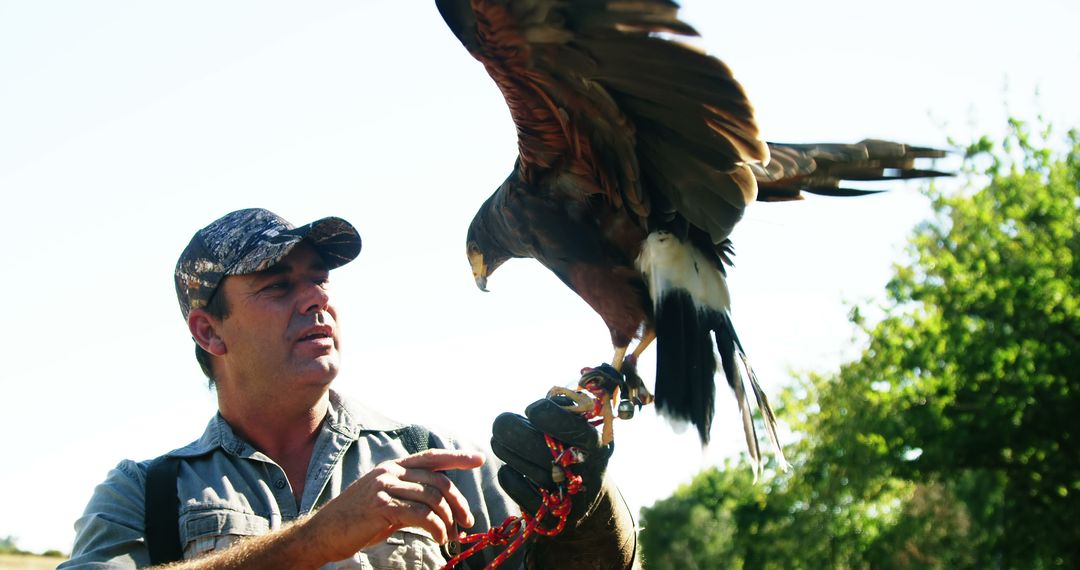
<point>637,156</point>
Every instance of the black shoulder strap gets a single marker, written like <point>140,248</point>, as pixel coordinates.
<point>416,438</point>
<point>163,511</point>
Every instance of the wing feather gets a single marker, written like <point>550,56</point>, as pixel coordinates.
<point>594,91</point>
<point>821,168</point>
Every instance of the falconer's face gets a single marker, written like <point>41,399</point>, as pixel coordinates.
<point>281,330</point>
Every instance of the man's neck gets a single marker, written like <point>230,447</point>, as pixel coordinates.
<point>284,430</point>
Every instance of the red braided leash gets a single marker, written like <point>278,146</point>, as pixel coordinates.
<point>553,504</point>
<point>524,526</point>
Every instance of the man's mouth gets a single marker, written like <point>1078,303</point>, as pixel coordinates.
<point>315,334</point>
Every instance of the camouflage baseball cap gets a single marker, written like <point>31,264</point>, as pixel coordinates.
<point>246,241</point>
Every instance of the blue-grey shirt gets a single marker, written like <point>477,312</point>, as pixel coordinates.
<point>229,490</point>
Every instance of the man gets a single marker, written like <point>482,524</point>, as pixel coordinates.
<point>291,475</point>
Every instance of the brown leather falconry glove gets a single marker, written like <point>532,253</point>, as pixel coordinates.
<point>600,530</point>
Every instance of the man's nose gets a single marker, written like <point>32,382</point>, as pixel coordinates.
<point>316,298</point>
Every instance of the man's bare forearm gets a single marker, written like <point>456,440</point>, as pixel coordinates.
<point>293,546</point>
<point>405,492</point>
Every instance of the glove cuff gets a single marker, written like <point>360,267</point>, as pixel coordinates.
<point>605,538</point>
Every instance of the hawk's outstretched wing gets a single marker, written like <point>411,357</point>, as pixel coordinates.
<point>604,106</point>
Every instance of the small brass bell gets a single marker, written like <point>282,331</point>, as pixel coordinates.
<point>557,474</point>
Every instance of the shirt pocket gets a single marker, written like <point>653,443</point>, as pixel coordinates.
<point>206,530</point>
<point>407,548</point>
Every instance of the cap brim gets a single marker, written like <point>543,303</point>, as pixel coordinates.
<point>336,240</point>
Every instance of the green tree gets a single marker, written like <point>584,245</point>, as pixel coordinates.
<point>952,441</point>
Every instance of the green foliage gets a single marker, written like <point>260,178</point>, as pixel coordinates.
<point>953,441</point>
<point>715,505</point>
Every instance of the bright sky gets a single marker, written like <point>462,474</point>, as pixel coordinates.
<point>126,126</point>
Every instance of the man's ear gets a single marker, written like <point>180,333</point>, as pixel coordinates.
<point>204,329</point>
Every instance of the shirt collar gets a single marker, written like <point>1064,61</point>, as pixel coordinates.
<point>352,418</point>
<point>344,416</point>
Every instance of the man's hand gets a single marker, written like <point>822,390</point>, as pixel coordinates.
<point>395,494</point>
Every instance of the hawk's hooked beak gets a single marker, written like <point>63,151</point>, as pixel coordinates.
<point>479,270</point>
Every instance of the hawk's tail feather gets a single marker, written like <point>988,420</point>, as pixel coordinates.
<point>767,415</point>
<point>690,306</point>
<point>727,343</point>
<point>685,365</point>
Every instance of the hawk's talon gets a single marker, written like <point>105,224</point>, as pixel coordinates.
<point>582,403</point>
<point>635,387</point>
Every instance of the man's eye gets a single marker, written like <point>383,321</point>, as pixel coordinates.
<point>278,286</point>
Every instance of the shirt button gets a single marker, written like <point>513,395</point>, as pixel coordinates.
<point>280,483</point>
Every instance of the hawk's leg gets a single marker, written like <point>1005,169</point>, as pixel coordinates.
<point>646,340</point>
<point>605,386</point>
<point>635,386</point>
<point>617,360</point>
